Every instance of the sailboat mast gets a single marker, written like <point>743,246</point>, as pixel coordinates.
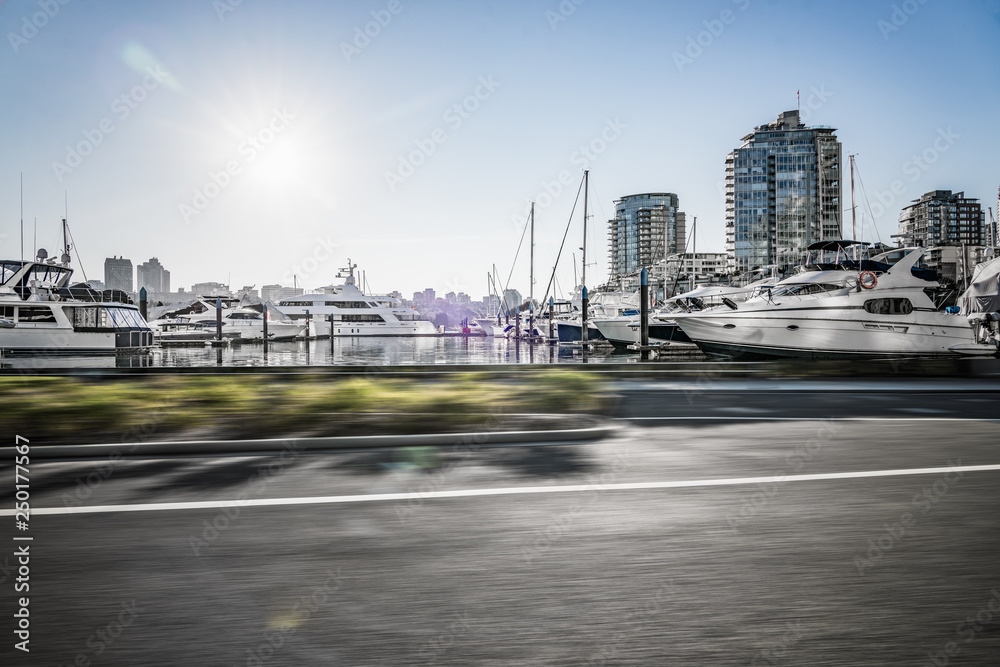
<point>586,186</point>
<point>854,223</point>
<point>22,216</point>
<point>531,280</point>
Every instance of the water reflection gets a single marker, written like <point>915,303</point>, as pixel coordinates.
<point>340,351</point>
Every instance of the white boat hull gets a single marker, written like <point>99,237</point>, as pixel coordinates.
<point>321,329</point>
<point>839,333</point>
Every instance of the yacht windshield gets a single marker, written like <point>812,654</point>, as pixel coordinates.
<point>8,269</point>
<point>802,289</point>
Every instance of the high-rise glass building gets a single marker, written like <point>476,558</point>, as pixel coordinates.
<point>783,188</point>
<point>647,228</point>
<point>118,273</point>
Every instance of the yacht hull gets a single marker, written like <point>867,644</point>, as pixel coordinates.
<point>839,333</point>
<point>573,333</point>
<point>416,328</point>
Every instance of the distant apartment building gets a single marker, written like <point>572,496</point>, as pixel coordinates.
<point>994,223</point>
<point>274,293</point>
<point>950,219</point>
<point>647,228</point>
<point>943,217</point>
<point>152,276</point>
<point>210,289</point>
<point>118,273</point>
<point>783,192</point>
<point>704,264</point>
<point>511,299</point>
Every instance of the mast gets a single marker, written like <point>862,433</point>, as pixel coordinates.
<point>583,319</point>
<point>531,277</point>
<point>22,216</point>
<point>854,223</point>
<point>694,251</point>
<point>586,186</point>
<point>65,256</point>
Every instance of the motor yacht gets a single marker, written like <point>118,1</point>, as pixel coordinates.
<point>848,308</point>
<point>41,312</point>
<point>354,313</point>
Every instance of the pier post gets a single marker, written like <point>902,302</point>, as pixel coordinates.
<point>142,303</point>
<point>531,322</point>
<point>308,324</point>
<point>583,319</point>
<point>644,313</point>
<point>517,324</point>
<point>331,338</point>
<point>552,305</point>
<point>218,318</point>
<point>265,328</point>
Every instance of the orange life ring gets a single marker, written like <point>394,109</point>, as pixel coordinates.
<point>865,278</point>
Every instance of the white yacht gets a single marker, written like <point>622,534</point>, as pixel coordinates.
<point>852,308</point>
<point>40,312</point>
<point>180,330</point>
<point>625,330</point>
<point>354,313</point>
<point>243,322</point>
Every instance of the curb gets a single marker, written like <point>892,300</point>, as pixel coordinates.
<point>591,433</point>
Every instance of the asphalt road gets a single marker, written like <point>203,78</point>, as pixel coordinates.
<point>736,526</point>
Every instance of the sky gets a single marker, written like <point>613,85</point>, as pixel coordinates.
<point>250,141</point>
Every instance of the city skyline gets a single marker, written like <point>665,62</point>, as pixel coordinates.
<point>246,142</point>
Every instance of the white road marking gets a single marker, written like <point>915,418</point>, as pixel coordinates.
<point>510,491</point>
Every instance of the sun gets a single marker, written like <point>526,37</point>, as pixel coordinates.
<point>278,167</point>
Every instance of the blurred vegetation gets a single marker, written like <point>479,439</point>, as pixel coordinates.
<point>78,410</point>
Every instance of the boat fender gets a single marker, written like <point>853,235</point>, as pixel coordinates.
<point>729,303</point>
<point>867,280</point>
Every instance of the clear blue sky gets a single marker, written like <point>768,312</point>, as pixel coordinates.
<point>164,94</point>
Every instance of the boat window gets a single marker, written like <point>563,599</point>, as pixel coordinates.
<point>305,304</point>
<point>8,269</point>
<point>35,314</point>
<point>46,273</point>
<point>362,318</point>
<point>889,306</point>
<point>7,312</point>
<point>802,289</point>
